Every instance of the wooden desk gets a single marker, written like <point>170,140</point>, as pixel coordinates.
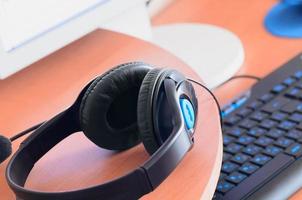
<point>50,85</point>
<point>264,52</point>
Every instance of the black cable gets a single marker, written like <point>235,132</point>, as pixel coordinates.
<point>256,78</point>
<point>213,95</point>
<point>21,134</point>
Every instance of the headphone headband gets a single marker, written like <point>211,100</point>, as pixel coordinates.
<point>133,185</point>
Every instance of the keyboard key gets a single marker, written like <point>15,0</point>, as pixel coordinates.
<point>296,117</point>
<point>252,150</point>
<point>295,150</point>
<point>224,186</point>
<point>268,124</point>
<point>275,133</point>
<point>226,156</point>
<point>275,105</point>
<point>264,141</point>
<point>227,140</point>
<point>289,81</point>
<point>236,132</point>
<point>284,142</point>
<point>255,105</point>
<point>229,167</point>
<point>298,75</point>
<point>292,107</point>
<point>247,124</point>
<point>256,132</point>
<point>233,148</point>
<point>240,158</point>
<point>259,116</point>
<point>266,97</point>
<point>272,151</point>
<point>278,116</point>
<point>236,177</point>
<point>294,134</point>
<point>287,125</point>
<point>293,93</point>
<point>260,159</point>
<point>278,88</point>
<point>244,112</point>
<point>299,126</point>
<point>245,140</point>
<point>232,120</point>
<point>248,168</point>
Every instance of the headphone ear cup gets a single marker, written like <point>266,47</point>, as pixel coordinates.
<point>144,111</point>
<point>108,108</point>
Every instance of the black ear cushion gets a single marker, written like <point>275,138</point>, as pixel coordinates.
<point>108,108</point>
<point>144,111</point>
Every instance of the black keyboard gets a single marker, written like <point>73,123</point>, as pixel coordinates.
<point>262,133</point>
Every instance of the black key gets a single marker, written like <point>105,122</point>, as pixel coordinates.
<point>264,141</point>
<point>292,107</point>
<point>229,167</point>
<point>294,134</point>
<point>255,105</point>
<point>279,116</point>
<point>287,125</point>
<point>260,159</point>
<point>268,124</point>
<point>256,131</point>
<point>295,150</point>
<point>236,177</point>
<point>236,132</point>
<point>293,93</point>
<point>298,74</point>
<point>296,117</point>
<point>231,120</point>
<point>275,133</point>
<point>245,140</point>
<point>275,105</point>
<point>248,168</point>
<point>284,142</point>
<point>266,97</point>
<point>259,116</point>
<point>252,150</point>
<point>289,81</point>
<point>240,158</point>
<point>233,148</point>
<point>272,151</point>
<point>224,186</point>
<point>261,176</point>
<point>226,156</point>
<point>227,140</point>
<point>247,124</point>
<point>278,88</point>
<point>244,112</point>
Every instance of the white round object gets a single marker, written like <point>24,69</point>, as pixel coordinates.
<point>214,53</point>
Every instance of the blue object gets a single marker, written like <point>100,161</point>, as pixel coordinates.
<point>285,19</point>
<point>188,113</point>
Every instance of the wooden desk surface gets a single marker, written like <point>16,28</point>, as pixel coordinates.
<point>50,85</point>
<point>263,52</point>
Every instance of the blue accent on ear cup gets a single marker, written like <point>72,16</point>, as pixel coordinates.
<point>285,19</point>
<point>187,112</point>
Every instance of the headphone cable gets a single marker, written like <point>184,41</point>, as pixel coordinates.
<point>25,132</point>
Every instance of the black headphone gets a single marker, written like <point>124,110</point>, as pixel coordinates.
<point>129,104</point>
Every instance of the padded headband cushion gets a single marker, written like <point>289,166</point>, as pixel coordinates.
<point>144,111</point>
<point>108,109</point>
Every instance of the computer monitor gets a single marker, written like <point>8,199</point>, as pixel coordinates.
<point>33,29</point>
